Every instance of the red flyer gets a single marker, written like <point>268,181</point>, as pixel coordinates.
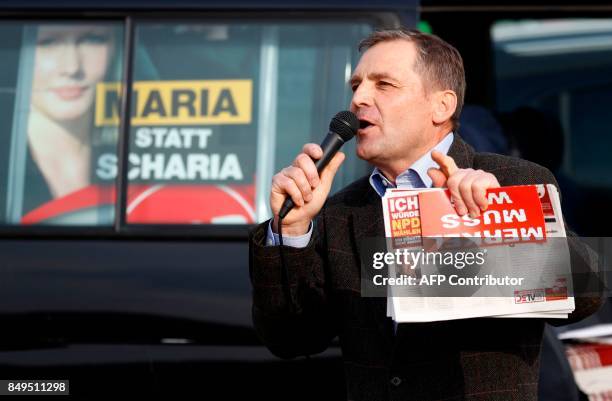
<point>514,214</point>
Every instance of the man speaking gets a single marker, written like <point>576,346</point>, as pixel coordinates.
<point>408,91</point>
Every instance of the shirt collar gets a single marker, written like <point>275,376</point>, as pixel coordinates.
<point>416,175</point>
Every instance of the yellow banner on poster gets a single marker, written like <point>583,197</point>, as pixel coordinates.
<point>205,102</point>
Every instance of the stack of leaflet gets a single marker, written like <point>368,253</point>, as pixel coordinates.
<point>589,352</point>
<point>522,234</point>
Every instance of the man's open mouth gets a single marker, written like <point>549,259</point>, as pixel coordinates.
<point>364,124</point>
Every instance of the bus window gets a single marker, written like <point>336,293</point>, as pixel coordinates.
<point>49,76</point>
<point>554,86</point>
<point>218,107</point>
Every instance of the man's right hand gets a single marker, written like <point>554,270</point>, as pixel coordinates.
<point>305,186</point>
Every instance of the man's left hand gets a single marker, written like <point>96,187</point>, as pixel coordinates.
<point>467,186</point>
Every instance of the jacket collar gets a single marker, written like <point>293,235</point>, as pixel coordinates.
<point>462,153</point>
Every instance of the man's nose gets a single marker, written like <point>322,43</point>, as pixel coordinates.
<point>362,96</point>
<point>71,59</point>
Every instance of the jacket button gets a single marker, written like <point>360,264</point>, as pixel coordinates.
<point>396,381</point>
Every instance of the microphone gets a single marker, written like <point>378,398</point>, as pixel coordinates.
<point>342,128</point>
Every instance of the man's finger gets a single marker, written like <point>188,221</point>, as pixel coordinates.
<point>304,162</point>
<point>446,163</point>
<point>479,189</point>
<point>328,173</point>
<point>459,205</point>
<point>438,179</point>
<point>453,186</point>
<point>479,192</point>
<point>467,195</point>
<point>288,186</point>
<point>299,177</point>
<point>313,150</point>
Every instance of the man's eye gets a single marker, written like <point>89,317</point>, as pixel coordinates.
<point>384,83</point>
<point>354,87</point>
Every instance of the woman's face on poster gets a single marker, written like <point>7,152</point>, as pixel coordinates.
<point>69,61</point>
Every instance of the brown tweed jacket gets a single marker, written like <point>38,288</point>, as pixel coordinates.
<point>475,359</point>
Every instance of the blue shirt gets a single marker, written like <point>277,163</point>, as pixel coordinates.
<point>413,177</point>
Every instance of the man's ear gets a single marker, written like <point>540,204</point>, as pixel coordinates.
<point>444,106</point>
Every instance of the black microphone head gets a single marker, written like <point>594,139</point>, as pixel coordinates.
<point>344,124</point>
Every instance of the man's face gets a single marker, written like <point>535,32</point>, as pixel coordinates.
<point>391,102</point>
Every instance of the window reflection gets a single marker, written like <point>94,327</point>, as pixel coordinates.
<point>69,62</point>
